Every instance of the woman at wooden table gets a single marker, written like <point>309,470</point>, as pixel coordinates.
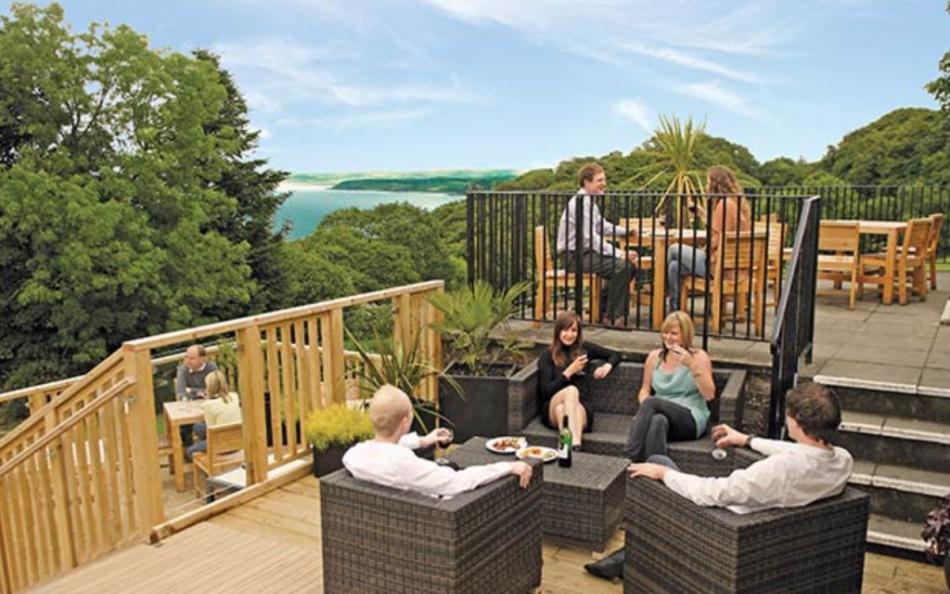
<point>221,407</point>
<point>563,378</point>
<point>730,213</point>
<point>679,377</point>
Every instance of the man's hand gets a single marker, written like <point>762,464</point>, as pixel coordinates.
<point>651,471</point>
<point>727,436</point>
<point>436,436</point>
<point>523,471</point>
<point>603,371</point>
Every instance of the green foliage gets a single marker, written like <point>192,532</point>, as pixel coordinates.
<point>337,425</point>
<point>940,87</point>
<point>675,146</point>
<point>470,314</point>
<point>905,146</point>
<point>445,183</point>
<point>783,171</point>
<point>402,364</point>
<point>311,276</point>
<point>127,206</point>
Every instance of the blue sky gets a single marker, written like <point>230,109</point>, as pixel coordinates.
<point>356,85</point>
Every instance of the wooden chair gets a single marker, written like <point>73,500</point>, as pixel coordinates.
<point>776,233</point>
<point>911,262</point>
<point>225,451</point>
<point>730,278</point>
<point>932,245</point>
<point>550,280</point>
<point>843,240</point>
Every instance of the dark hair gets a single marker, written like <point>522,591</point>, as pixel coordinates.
<point>559,354</point>
<point>588,172</point>
<point>816,410</point>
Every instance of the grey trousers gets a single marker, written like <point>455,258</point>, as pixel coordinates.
<point>657,422</point>
<point>617,271</point>
<point>682,260</point>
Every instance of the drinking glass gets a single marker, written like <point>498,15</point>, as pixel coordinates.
<point>582,353</point>
<point>719,453</point>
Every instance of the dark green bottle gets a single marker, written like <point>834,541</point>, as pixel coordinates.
<point>565,445</point>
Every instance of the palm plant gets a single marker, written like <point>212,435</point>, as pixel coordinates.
<point>676,149</point>
<point>402,364</point>
<point>469,317</point>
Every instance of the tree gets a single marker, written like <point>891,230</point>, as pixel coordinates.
<point>940,87</point>
<point>117,208</point>
<point>676,147</point>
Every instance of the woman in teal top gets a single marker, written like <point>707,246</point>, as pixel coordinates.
<point>679,378</point>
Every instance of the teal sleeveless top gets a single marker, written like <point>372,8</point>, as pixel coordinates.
<point>679,386</point>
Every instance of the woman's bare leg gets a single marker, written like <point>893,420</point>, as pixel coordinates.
<point>567,402</point>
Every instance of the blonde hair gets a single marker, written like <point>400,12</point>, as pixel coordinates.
<point>685,324</point>
<point>216,386</point>
<point>387,409</point>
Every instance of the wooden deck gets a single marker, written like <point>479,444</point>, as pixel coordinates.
<point>272,544</point>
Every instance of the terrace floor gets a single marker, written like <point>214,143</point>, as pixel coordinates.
<point>272,544</point>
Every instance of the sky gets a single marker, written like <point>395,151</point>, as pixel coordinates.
<point>398,85</point>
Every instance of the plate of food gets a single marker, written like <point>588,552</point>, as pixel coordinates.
<point>538,453</point>
<point>506,444</point>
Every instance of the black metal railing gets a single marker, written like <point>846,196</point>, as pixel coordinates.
<point>794,330</point>
<point>532,236</point>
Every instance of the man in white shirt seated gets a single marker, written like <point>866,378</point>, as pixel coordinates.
<point>388,458</point>
<point>792,474</point>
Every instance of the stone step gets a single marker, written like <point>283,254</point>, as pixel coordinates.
<point>902,400</point>
<point>889,532</point>
<point>898,441</point>
<point>899,492</point>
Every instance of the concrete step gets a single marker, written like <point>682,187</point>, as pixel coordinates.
<point>899,492</point>
<point>894,440</point>
<point>902,400</point>
<point>889,532</point>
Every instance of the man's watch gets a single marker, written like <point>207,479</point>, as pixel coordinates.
<point>748,441</point>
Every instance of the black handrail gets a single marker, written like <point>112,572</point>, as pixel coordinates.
<point>794,330</point>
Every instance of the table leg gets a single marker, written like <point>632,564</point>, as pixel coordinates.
<point>178,454</point>
<point>887,295</point>
<point>659,281</point>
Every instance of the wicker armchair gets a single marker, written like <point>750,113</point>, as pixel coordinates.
<point>614,401</point>
<point>377,539</point>
<point>673,545</point>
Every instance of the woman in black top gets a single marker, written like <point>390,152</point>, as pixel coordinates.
<point>563,381</point>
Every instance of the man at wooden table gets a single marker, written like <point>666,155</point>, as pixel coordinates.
<point>190,381</point>
<point>597,255</point>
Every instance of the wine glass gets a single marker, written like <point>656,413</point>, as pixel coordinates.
<point>582,353</point>
<point>719,453</point>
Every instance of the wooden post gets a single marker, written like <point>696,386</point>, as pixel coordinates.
<point>61,503</point>
<point>251,382</point>
<point>145,465</point>
<point>333,357</point>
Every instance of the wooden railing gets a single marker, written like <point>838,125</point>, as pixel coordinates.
<point>80,476</point>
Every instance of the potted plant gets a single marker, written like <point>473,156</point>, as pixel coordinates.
<point>480,366</point>
<point>331,431</point>
<point>936,535</point>
<point>403,365</point>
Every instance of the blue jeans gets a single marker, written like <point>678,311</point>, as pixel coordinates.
<point>683,260</point>
<point>201,431</point>
<point>663,460</point>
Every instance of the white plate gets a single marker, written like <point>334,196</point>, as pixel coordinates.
<point>493,444</point>
<point>538,453</point>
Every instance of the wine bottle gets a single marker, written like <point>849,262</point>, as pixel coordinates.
<point>565,443</point>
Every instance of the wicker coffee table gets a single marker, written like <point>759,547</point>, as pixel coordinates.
<point>582,504</point>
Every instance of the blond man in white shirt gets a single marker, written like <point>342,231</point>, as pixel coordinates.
<point>791,475</point>
<point>595,234</point>
<point>388,458</point>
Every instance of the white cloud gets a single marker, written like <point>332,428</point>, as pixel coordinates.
<point>714,93</point>
<point>681,58</point>
<point>636,112</point>
<point>339,123</point>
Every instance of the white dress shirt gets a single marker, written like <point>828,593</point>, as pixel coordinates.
<point>397,466</point>
<point>591,228</point>
<point>793,475</point>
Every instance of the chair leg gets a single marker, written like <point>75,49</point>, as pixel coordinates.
<point>902,283</point>
<point>595,289</point>
<point>933,272</point>
<point>920,281</point>
<point>854,284</point>
<point>539,299</point>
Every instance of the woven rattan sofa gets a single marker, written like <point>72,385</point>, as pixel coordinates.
<point>673,545</point>
<point>614,401</point>
<point>377,539</point>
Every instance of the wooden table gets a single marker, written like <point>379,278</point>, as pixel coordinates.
<point>184,412</point>
<point>893,230</point>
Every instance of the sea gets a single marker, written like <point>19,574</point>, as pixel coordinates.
<point>308,204</point>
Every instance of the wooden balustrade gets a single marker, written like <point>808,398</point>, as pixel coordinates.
<point>80,476</point>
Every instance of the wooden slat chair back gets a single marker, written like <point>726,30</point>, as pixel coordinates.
<point>730,278</point>
<point>773,275</point>
<point>839,257</point>
<point>225,452</point>
<point>911,262</point>
<point>550,280</point>
<point>933,245</point>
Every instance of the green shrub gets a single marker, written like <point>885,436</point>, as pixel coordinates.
<point>337,425</point>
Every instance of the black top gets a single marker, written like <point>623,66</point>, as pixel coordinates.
<point>551,378</point>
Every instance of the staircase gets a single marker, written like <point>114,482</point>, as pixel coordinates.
<point>899,436</point>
